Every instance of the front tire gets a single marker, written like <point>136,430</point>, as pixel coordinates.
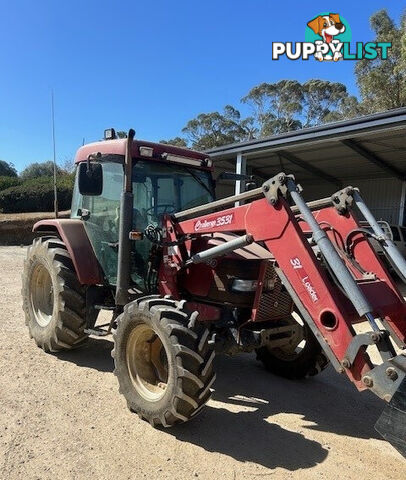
<point>53,299</point>
<point>162,359</point>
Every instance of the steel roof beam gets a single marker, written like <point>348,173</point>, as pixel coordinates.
<point>310,168</point>
<point>374,158</point>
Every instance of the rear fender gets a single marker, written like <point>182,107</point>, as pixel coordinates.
<point>74,236</point>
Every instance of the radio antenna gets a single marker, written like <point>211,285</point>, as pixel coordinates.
<point>54,149</point>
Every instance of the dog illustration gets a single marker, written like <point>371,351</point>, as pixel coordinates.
<point>327,26</point>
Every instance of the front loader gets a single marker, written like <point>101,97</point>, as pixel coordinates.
<point>187,277</point>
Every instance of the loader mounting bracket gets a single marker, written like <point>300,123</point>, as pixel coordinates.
<point>276,186</point>
<point>385,379</point>
<point>343,200</point>
<point>380,339</point>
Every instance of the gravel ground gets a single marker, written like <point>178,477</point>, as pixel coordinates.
<point>62,417</point>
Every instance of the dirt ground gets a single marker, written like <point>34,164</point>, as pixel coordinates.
<point>61,417</point>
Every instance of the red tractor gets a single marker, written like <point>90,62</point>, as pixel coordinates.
<point>186,277</point>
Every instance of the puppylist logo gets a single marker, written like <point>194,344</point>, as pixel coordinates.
<point>328,38</point>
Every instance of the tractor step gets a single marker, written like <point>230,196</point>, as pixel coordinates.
<point>392,422</point>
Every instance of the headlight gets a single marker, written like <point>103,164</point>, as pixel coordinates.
<point>240,285</point>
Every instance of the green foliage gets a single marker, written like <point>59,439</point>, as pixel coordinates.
<point>325,101</point>
<point>177,142</point>
<point>382,83</point>
<point>290,105</point>
<point>121,134</point>
<point>276,106</point>
<point>213,129</point>
<point>37,170</point>
<point>7,169</point>
<point>37,195</point>
<point>7,182</point>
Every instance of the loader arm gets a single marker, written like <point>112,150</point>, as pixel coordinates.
<point>356,288</point>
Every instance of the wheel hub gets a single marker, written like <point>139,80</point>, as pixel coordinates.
<point>290,348</point>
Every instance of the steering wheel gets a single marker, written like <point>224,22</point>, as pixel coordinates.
<point>167,208</point>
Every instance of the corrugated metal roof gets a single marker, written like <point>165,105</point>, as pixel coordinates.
<point>372,146</point>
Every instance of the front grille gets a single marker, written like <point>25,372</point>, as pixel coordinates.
<point>275,302</point>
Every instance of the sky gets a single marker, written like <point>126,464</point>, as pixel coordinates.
<point>147,65</point>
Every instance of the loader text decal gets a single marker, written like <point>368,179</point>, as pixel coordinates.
<point>304,278</point>
<point>215,222</point>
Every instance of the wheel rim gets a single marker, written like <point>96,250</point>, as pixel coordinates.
<point>147,362</point>
<point>293,349</point>
<point>42,295</point>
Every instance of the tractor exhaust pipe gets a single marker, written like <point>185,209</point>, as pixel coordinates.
<point>125,226</point>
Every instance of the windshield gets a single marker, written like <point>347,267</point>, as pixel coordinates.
<point>161,188</point>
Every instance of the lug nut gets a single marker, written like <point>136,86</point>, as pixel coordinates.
<point>272,200</point>
<point>392,373</point>
<point>368,381</point>
<point>265,188</point>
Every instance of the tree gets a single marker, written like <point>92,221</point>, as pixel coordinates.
<point>348,107</point>
<point>382,82</point>
<point>68,165</point>
<point>209,130</point>
<point>121,134</point>
<point>7,169</point>
<point>276,106</point>
<point>325,101</point>
<point>290,105</point>
<point>177,142</point>
<point>44,169</point>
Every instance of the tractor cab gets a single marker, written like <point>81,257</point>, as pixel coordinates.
<point>165,180</point>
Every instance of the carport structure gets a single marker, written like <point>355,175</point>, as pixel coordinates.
<point>367,152</point>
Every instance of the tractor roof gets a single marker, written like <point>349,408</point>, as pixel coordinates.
<point>118,147</point>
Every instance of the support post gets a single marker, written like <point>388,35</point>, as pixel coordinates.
<point>402,204</point>
<point>240,169</point>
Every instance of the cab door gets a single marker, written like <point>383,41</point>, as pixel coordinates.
<point>100,215</point>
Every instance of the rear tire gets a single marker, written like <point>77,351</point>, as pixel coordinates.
<point>162,359</point>
<point>53,299</point>
<point>307,361</point>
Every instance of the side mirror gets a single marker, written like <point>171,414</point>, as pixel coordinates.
<point>90,178</point>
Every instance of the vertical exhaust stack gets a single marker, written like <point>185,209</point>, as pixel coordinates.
<point>125,226</point>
